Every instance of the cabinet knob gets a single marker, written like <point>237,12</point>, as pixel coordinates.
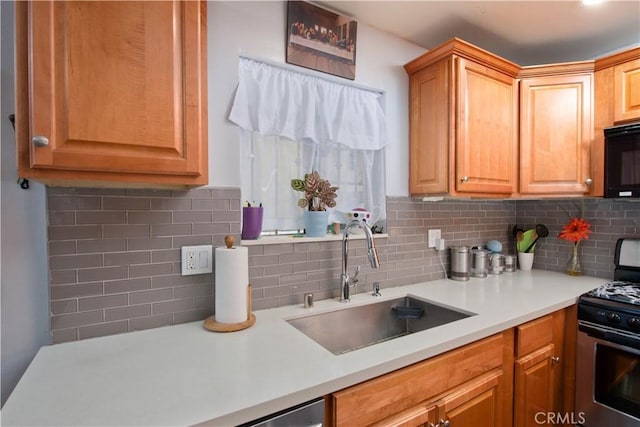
<point>555,359</point>
<point>588,181</point>
<point>464,179</point>
<point>40,141</point>
<point>445,423</point>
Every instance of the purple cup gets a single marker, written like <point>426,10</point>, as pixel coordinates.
<point>251,223</point>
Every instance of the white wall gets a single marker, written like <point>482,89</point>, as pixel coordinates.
<point>259,29</point>
<point>24,295</point>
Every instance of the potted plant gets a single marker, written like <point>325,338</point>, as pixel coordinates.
<point>318,196</point>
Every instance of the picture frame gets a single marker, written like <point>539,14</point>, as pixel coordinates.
<point>321,39</point>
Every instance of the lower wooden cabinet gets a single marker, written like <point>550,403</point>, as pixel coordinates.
<point>468,383</point>
<point>478,402</point>
<point>503,380</point>
<point>534,391</point>
<point>423,415</point>
<point>544,368</point>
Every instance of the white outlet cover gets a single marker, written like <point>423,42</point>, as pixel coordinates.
<point>196,259</point>
<point>432,237</point>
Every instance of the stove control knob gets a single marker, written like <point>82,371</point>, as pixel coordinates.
<point>613,318</point>
<point>634,322</point>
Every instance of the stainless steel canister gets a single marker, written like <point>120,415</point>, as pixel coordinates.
<point>459,263</point>
<point>479,262</point>
<point>496,263</point>
<point>509,263</point>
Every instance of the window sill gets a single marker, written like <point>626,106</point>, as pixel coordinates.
<point>278,240</point>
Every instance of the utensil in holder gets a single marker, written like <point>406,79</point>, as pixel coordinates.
<point>252,222</point>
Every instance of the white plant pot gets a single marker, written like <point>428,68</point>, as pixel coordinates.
<point>525,260</point>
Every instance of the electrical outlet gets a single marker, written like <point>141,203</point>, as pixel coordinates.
<point>433,236</point>
<point>197,259</point>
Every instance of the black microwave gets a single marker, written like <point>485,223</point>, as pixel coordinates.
<point>622,161</point>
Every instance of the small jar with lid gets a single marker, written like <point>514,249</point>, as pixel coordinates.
<point>509,263</point>
<point>459,263</point>
<point>479,262</point>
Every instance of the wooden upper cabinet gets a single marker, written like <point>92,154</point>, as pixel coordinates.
<point>429,129</point>
<point>616,101</point>
<point>556,131</point>
<point>463,122</point>
<point>112,92</point>
<point>487,130</point>
<point>627,91</point>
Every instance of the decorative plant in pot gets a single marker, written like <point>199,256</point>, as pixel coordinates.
<point>318,196</point>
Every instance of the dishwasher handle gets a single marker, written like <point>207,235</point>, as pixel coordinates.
<point>308,414</point>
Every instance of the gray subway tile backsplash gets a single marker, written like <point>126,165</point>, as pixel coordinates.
<point>108,301</point>
<point>114,257</point>
<point>72,320</point>
<point>103,329</point>
<point>115,254</point>
<point>150,322</point>
<point>75,291</point>
<point>99,245</point>
<point>127,312</point>
<point>610,220</point>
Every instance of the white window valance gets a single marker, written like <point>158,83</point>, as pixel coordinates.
<point>276,101</point>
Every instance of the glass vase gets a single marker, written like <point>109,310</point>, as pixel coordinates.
<point>574,266</point>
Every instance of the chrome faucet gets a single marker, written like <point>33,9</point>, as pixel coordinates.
<point>347,281</point>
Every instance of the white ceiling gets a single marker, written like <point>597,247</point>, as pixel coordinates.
<point>525,32</point>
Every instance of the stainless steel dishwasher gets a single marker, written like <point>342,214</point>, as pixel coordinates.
<point>310,414</point>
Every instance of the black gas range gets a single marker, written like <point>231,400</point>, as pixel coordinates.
<point>616,304</point>
<point>608,357</point>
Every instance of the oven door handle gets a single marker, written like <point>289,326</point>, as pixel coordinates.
<point>610,335</point>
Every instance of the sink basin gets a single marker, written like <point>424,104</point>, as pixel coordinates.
<point>355,327</point>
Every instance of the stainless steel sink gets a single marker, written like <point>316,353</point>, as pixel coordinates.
<point>355,327</point>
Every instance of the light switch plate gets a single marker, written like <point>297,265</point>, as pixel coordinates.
<point>197,259</point>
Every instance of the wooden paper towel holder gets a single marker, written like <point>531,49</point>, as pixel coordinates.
<point>211,324</point>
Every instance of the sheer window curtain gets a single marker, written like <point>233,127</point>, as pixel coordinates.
<point>273,161</point>
<point>292,123</point>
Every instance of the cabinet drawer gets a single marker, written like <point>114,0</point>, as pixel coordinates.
<point>533,335</point>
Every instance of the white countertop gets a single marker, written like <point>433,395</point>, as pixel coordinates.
<point>185,375</point>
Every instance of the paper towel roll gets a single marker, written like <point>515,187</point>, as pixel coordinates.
<point>232,279</point>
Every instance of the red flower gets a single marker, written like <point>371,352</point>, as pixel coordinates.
<point>576,230</point>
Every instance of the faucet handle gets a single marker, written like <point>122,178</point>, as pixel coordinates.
<point>353,280</point>
<point>376,289</point>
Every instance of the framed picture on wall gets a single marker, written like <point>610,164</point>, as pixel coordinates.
<point>320,39</point>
